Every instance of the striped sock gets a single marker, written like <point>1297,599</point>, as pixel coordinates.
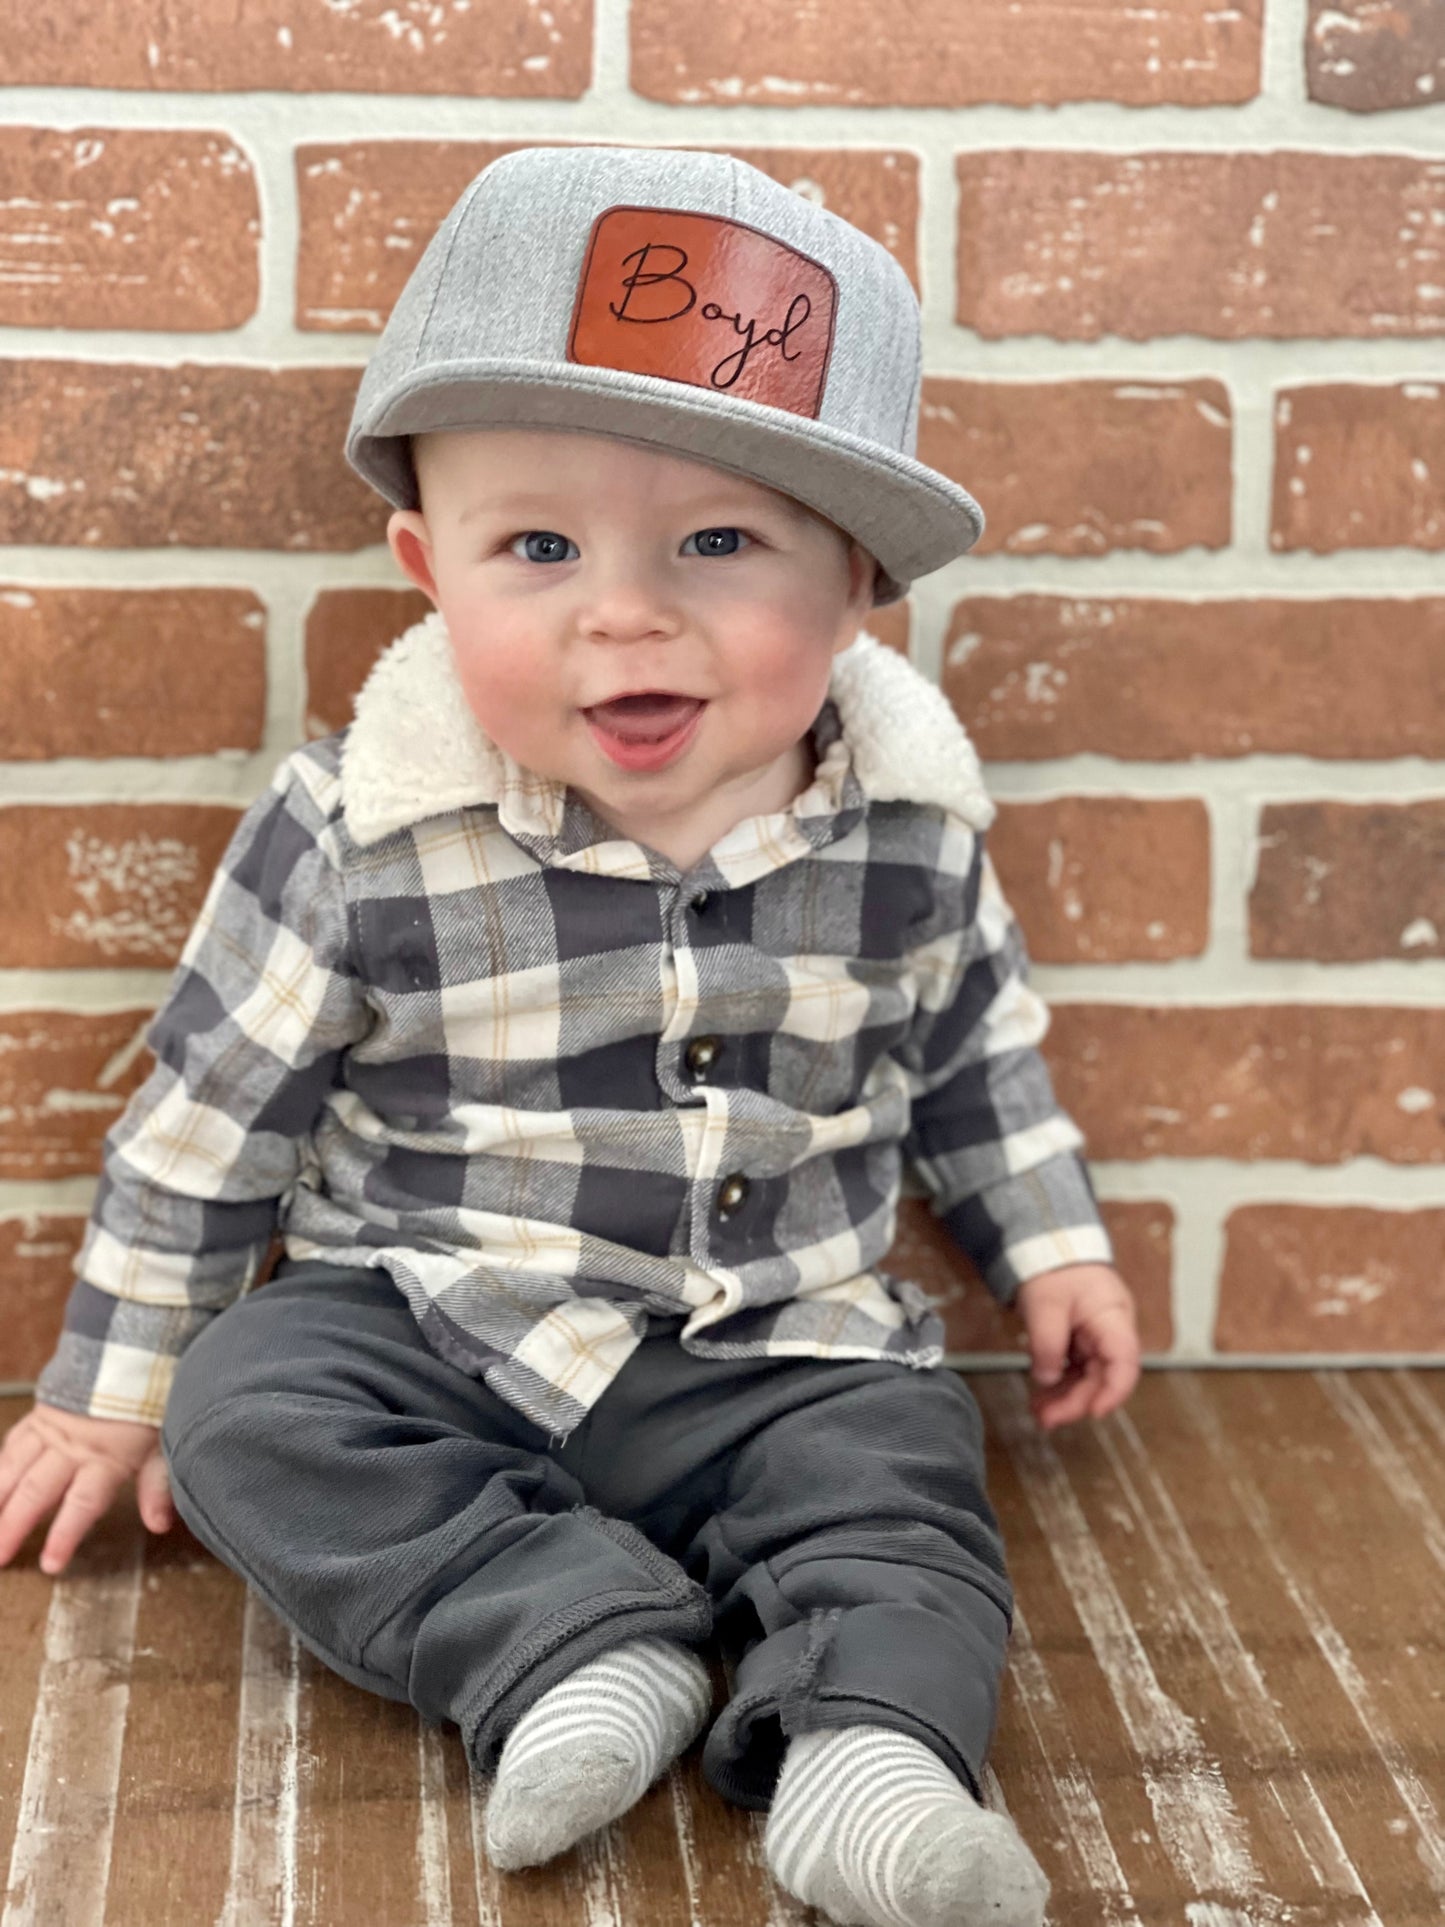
<point>591,1746</point>
<point>869,1826</point>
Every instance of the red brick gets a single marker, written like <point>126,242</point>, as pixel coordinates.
<point>1345,882</point>
<point>1359,467</point>
<point>891,625</point>
<point>1079,245</point>
<point>1105,879</point>
<point>346,630</point>
<point>1142,1236</point>
<point>117,672</point>
<point>1332,1278</point>
<point>126,455</point>
<point>1080,467</point>
<point>505,48</point>
<point>65,1077</point>
<point>1320,1083</point>
<point>36,1253</point>
<point>368,209</point>
<point>105,884</point>
<point>127,227</point>
<point>1367,55</point>
<point>936,53</point>
<point>1158,679</point>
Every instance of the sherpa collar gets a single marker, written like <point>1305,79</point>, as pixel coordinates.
<point>415,750</point>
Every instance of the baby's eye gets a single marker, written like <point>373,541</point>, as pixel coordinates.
<point>550,545</point>
<point>707,545</point>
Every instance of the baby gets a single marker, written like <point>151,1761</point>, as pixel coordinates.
<point>574,1013</point>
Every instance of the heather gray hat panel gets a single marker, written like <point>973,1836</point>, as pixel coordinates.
<point>535,255</point>
<point>480,336</point>
<point>522,250</point>
<point>873,364</point>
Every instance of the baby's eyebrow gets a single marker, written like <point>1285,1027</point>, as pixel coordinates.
<point>734,504</point>
<point>498,505</point>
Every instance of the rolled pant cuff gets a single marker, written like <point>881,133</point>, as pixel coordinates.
<point>665,1604</point>
<point>856,1666</point>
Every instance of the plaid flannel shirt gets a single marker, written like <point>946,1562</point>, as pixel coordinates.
<point>437,1018</point>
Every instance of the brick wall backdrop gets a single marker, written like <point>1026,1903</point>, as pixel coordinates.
<point>1183,278</point>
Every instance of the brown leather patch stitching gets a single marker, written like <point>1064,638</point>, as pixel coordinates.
<point>700,299</point>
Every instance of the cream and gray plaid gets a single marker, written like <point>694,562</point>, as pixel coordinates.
<point>462,1054</point>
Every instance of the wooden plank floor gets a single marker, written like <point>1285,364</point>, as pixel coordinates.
<point>1224,1708</point>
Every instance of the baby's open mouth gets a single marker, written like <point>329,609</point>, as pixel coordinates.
<point>646,718</point>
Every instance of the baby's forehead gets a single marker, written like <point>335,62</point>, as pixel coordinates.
<point>478,462</point>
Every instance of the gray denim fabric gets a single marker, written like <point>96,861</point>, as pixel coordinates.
<point>827,1518</point>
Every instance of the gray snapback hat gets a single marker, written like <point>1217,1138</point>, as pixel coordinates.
<point>679,299</point>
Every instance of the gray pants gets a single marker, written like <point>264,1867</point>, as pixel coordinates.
<point>827,1518</point>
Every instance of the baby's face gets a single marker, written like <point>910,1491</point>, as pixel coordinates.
<point>644,627</point>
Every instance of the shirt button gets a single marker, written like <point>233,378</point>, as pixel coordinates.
<point>701,1054</point>
<point>732,1193</point>
<point>699,902</point>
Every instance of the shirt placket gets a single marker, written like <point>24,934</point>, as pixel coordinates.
<point>688,1052</point>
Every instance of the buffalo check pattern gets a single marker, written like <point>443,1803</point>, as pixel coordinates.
<point>551,1086</point>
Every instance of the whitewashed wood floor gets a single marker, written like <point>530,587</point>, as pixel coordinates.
<point>1225,1705</point>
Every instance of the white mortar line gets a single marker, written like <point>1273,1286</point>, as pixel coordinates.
<point>232,779</point>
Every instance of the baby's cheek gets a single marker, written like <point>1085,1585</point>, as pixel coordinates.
<point>507,692</point>
<point>788,693</point>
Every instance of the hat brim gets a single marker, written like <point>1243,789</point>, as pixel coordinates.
<point>910,518</point>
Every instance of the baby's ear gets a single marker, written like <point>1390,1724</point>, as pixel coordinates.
<point>410,542</point>
<point>862,577</point>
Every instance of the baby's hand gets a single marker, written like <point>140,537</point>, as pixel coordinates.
<point>1083,1340</point>
<point>51,1457</point>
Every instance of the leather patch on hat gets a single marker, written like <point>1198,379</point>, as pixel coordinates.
<point>700,299</point>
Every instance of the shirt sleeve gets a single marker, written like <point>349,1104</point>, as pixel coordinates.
<point>263,1002</point>
<point>1001,1160</point>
